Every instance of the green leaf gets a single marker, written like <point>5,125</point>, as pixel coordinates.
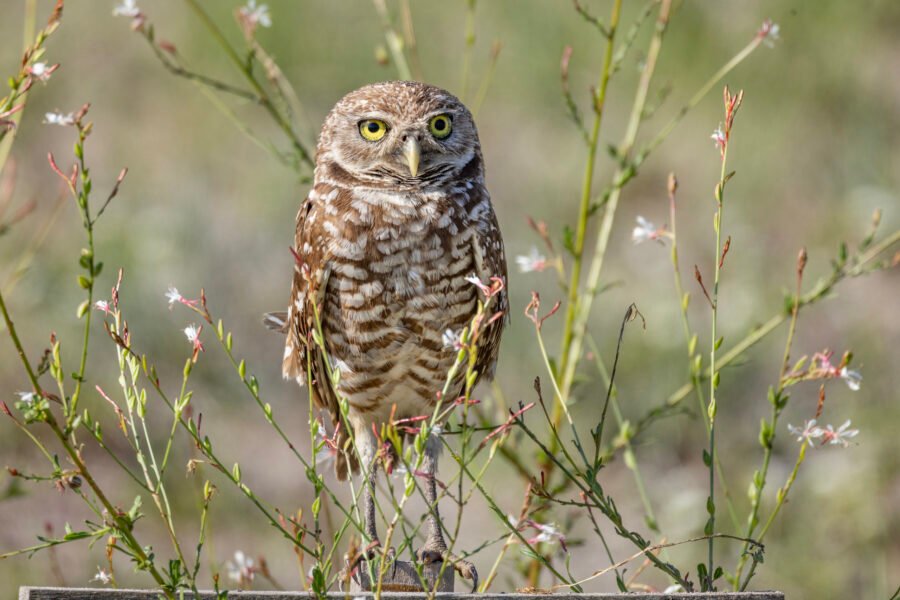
<point>569,239</point>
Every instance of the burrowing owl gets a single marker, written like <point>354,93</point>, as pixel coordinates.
<point>397,219</point>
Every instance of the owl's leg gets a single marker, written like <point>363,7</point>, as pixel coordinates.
<point>435,548</point>
<point>367,450</point>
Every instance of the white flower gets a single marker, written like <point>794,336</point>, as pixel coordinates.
<point>53,118</point>
<point>242,569</point>
<point>808,432</point>
<point>533,262</point>
<point>41,71</point>
<point>840,436</point>
<point>127,8</point>
<point>173,296</point>
<point>451,339</point>
<point>548,533</point>
<point>102,576</point>
<point>769,32</point>
<point>853,379</point>
<point>645,231</point>
<point>26,397</point>
<point>257,14</point>
<point>718,136</point>
<point>192,332</point>
<point>102,306</point>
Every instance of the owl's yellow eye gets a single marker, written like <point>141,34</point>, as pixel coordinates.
<point>372,129</point>
<point>440,126</point>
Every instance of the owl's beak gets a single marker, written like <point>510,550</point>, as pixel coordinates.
<point>412,151</point>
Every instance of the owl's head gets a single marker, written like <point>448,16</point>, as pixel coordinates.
<point>399,133</point>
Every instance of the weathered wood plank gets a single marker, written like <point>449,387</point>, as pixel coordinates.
<point>46,593</point>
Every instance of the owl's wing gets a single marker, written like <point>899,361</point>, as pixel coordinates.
<point>296,323</point>
<point>490,261</point>
<point>311,271</point>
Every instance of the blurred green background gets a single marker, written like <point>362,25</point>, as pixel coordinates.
<point>816,149</point>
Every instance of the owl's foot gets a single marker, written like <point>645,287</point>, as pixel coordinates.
<point>371,554</point>
<point>431,553</point>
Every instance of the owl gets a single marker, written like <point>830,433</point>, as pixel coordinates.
<point>396,223</point>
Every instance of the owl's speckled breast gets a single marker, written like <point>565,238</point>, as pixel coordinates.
<point>396,284</point>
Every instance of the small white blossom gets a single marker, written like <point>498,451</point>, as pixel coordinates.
<point>173,296</point>
<point>718,137</point>
<point>451,339</point>
<point>839,436</point>
<point>242,569</point>
<point>41,71</point>
<point>26,397</point>
<point>192,332</point>
<point>645,231</point>
<point>102,576</point>
<point>53,118</point>
<point>127,8</point>
<point>532,262</point>
<point>548,534</point>
<point>769,32</point>
<point>257,14</point>
<point>808,432</point>
<point>853,379</point>
<point>102,306</point>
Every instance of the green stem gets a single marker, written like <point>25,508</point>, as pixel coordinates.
<point>777,408</point>
<point>780,500</point>
<point>394,40</point>
<point>821,290</point>
<point>714,379</point>
<point>628,451</point>
<point>577,318</point>
<point>586,190</point>
<point>246,71</point>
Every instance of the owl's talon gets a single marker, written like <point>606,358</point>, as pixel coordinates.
<point>464,568</point>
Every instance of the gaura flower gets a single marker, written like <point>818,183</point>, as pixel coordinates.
<point>533,262</point>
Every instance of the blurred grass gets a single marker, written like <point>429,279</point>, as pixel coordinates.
<point>816,150</point>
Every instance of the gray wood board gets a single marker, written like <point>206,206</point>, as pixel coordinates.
<point>47,593</point>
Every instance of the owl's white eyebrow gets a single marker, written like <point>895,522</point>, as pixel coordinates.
<point>449,112</point>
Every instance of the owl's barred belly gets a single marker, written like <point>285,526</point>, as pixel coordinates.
<point>384,322</point>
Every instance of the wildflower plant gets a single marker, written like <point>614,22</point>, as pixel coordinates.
<point>561,466</point>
